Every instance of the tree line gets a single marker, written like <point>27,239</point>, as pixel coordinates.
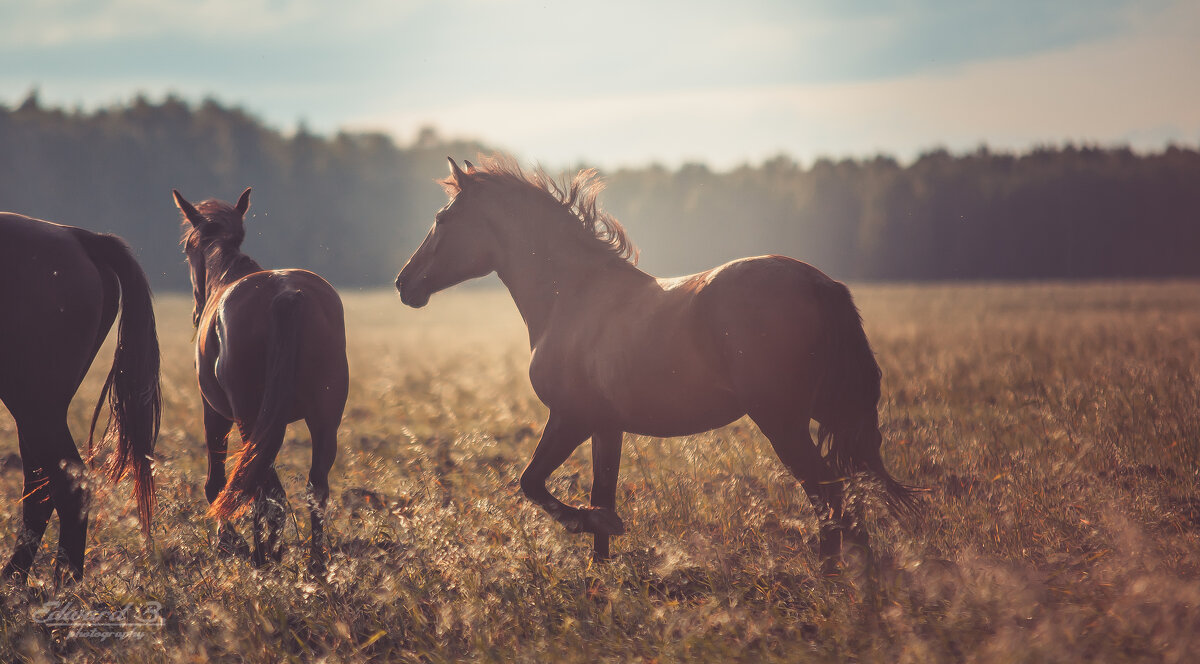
<point>352,206</point>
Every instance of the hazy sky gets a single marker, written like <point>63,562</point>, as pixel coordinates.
<point>622,82</point>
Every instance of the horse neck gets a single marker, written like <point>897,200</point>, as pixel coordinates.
<point>225,265</point>
<point>545,263</point>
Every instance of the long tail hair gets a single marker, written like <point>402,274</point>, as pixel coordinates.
<point>132,387</point>
<point>847,408</point>
<point>259,452</point>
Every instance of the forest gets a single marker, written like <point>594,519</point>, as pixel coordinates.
<point>352,206</point>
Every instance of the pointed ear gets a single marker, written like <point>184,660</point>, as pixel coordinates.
<point>456,172</point>
<point>470,166</point>
<point>188,210</point>
<point>243,203</point>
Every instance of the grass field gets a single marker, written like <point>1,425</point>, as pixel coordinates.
<point>1057,426</point>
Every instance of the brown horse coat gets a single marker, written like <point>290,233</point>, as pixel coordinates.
<point>270,350</point>
<point>60,289</point>
<point>616,350</point>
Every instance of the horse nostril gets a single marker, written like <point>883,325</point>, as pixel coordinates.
<point>399,283</point>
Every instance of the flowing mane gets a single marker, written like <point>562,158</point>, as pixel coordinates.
<point>578,197</point>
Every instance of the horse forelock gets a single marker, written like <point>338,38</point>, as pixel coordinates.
<point>220,220</point>
<point>579,196</point>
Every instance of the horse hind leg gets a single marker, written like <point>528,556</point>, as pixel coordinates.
<point>53,482</point>
<point>269,518</point>
<point>36,508</point>
<point>792,442</point>
<point>324,451</point>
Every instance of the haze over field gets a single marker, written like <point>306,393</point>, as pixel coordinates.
<point>627,83</point>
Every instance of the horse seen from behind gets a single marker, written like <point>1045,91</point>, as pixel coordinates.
<point>61,288</point>
<point>270,350</point>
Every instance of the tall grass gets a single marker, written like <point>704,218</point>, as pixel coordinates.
<point>1058,427</point>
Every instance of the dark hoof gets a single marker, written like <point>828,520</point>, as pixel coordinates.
<point>602,521</point>
<point>852,561</point>
<point>65,577</point>
<point>14,574</point>
<point>230,544</point>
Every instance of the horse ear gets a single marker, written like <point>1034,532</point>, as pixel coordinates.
<point>188,210</point>
<point>243,203</point>
<point>456,172</point>
<point>470,166</point>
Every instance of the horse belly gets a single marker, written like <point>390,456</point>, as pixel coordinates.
<point>673,403</point>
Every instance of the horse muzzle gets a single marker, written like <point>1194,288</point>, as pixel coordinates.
<point>412,294</point>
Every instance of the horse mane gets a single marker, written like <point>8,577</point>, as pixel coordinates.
<point>220,219</point>
<point>578,197</point>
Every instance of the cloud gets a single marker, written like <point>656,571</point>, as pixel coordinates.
<point>1134,88</point>
<point>55,23</point>
<point>626,82</point>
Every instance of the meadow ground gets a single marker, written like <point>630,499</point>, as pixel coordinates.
<point>1057,426</point>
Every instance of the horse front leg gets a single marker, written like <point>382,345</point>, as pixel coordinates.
<point>559,439</point>
<point>606,465</point>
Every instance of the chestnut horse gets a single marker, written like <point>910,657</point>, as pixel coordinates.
<point>60,289</point>
<point>615,350</point>
<point>270,350</point>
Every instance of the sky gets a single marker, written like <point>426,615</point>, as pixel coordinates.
<point>626,83</point>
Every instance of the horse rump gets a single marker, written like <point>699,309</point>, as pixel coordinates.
<point>259,452</point>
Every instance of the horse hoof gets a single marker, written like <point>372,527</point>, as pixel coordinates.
<point>230,544</point>
<point>603,521</point>
<point>13,573</point>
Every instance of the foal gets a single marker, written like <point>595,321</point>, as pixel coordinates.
<point>616,350</point>
<point>270,350</point>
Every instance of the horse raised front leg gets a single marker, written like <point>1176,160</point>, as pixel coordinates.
<point>560,438</point>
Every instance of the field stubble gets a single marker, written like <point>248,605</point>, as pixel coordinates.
<point>1057,426</point>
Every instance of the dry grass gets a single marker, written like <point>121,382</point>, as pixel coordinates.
<point>1058,427</point>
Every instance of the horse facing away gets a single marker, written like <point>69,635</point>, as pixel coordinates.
<point>615,350</point>
<point>270,350</point>
<point>60,290</point>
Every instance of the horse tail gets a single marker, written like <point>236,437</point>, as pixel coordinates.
<point>847,407</point>
<point>132,388</point>
<point>259,452</point>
